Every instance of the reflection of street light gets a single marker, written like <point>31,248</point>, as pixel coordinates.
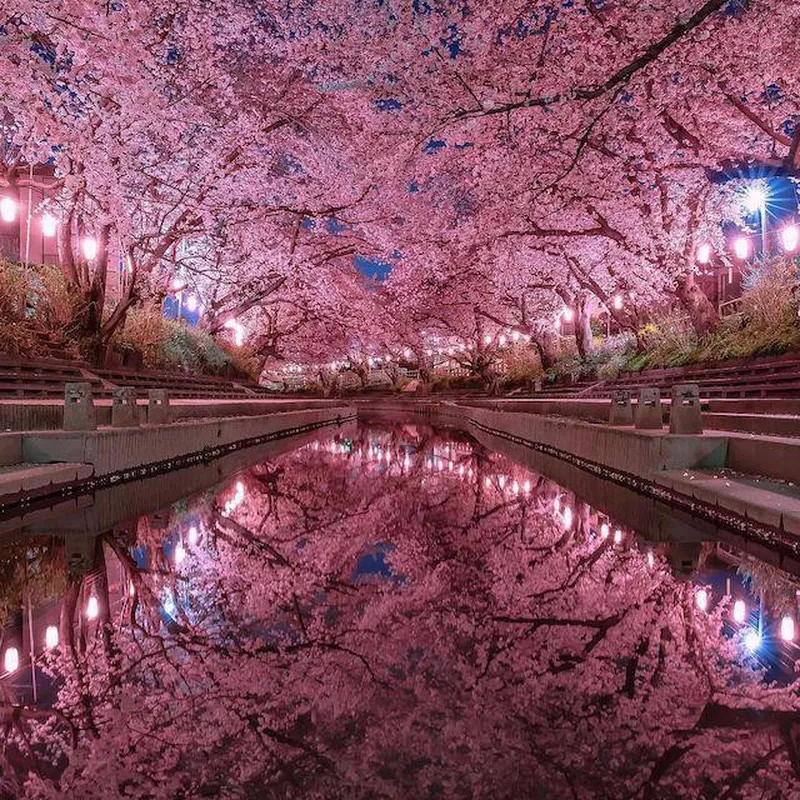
<point>703,254</point>
<point>92,608</point>
<point>790,237</point>
<point>741,247</point>
<point>51,637</point>
<point>8,209</point>
<point>11,660</point>
<point>49,225</point>
<point>89,248</point>
<point>752,640</point>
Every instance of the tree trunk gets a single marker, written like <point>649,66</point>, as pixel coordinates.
<point>546,343</point>
<point>702,313</point>
<point>583,326</point>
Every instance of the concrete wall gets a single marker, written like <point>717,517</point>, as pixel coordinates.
<point>116,450</point>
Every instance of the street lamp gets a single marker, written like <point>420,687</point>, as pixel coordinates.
<point>703,254</point>
<point>8,209</point>
<point>756,201</point>
<point>11,660</point>
<point>741,247</point>
<point>51,637</point>
<point>49,225</point>
<point>90,248</point>
<point>790,238</point>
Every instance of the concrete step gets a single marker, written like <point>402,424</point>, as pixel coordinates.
<point>767,501</point>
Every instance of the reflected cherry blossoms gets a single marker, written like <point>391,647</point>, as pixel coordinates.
<point>396,614</point>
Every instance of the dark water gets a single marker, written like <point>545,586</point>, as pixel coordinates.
<point>391,612</point>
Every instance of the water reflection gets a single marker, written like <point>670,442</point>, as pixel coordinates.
<point>394,613</point>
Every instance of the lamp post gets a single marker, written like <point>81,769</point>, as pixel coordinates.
<point>756,200</point>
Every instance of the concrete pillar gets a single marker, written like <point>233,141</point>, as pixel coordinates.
<point>79,410</point>
<point>124,412</point>
<point>158,408</point>
<point>648,412</point>
<point>621,412</point>
<point>685,416</point>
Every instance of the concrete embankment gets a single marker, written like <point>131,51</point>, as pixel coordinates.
<point>111,455</point>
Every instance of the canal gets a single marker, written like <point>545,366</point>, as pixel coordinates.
<point>386,610</point>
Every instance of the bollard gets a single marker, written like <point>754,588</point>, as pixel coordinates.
<point>649,415</point>
<point>621,412</point>
<point>124,412</point>
<point>79,410</point>
<point>158,408</point>
<point>685,415</point>
<point>79,547</point>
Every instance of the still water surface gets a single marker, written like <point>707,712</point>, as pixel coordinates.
<point>392,611</point>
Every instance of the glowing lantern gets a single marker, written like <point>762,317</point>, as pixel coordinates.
<point>92,608</point>
<point>790,237</point>
<point>8,209</point>
<point>568,314</point>
<point>180,553</point>
<point>193,532</point>
<point>650,558</point>
<point>604,531</point>
<point>701,598</point>
<point>49,225</point>
<point>617,536</point>
<point>11,660</point>
<point>191,302</point>
<point>51,637</point>
<point>515,336</point>
<point>617,301</point>
<point>487,339</point>
<point>567,518</point>
<point>703,255</point>
<point>502,340</point>
<point>238,332</point>
<point>741,247</point>
<point>89,248</point>
<point>739,611</point>
<point>787,629</point>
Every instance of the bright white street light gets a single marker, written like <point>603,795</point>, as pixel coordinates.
<point>739,611</point>
<point>8,209</point>
<point>90,248</point>
<point>703,254</point>
<point>92,608</point>
<point>755,199</point>
<point>741,247</point>
<point>752,640</point>
<point>11,660</point>
<point>238,332</point>
<point>49,225</point>
<point>51,637</point>
<point>790,238</point>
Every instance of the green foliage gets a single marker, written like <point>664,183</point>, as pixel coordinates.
<point>170,345</point>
